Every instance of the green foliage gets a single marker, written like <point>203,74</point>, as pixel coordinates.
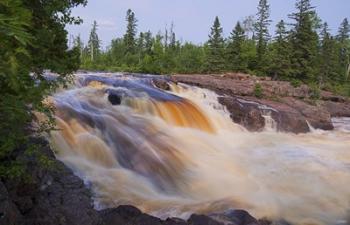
<point>315,91</point>
<point>295,83</point>
<point>32,38</point>
<point>304,41</point>
<point>299,54</point>
<point>216,49</point>
<point>262,33</point>
<point>258,91</point>
<point>235,50</point>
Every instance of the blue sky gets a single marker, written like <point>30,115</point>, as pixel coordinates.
<point>192,18</point>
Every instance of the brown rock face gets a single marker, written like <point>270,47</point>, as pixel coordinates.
<point>291,107</point>
<point>246,114</point>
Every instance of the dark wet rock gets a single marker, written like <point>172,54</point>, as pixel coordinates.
<point>202,220</point>
<point>9,213</point>
<point>236,217</point>
<point>250,112</point>
<point>114,99</point>
<point>315,115</point>
<point>337,109</point>
<point>52,196</point>
<point>127,215</point>
<point>243,113</point>
<point>161,84</point>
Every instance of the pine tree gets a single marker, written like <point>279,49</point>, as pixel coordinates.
<point>304,40</point>
<point>281,55</point>
<point>131,30</point>
<point>94,42</point>
<point>328,59</point>
<point>148,42</point>
<point>172,41</point>
<point>78,43</point>
<point>215,61</point>
<point>236,61</point>
<point>344,48</point>
<point>262,32</point>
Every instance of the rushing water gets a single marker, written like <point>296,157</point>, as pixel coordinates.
<point>175,153</point>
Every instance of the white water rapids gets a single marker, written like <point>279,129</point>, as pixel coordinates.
<point>175,153</point>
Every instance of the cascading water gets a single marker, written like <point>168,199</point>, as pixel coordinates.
<point>178,152</point>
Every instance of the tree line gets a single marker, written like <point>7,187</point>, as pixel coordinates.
<point>32,38</point>
<point>301,51</point>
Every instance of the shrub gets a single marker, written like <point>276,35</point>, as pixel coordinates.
<point>258,91</point>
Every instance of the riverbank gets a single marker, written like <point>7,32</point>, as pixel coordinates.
<point>56,196</point>
<point>249,99</point>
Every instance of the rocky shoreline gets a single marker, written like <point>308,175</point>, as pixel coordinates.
<point>55,196</point>
<point>293,108</point>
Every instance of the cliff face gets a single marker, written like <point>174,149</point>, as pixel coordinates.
<point>55,196</point>
<point>291,107</point>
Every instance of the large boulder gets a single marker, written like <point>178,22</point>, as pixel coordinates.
<point>250,112</point>
<point>244,113</point>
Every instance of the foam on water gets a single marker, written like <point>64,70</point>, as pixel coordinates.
<point>175,156</point>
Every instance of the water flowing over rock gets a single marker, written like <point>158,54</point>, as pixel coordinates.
<point>292,107</point>
<point>185,156</point>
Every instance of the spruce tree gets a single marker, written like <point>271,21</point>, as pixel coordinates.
<point>328,59</point>
<point>78,43</point>
<point>215,61</point>
<point>304,40</point>
<point>262,32</point>
<point>94,42</point>
<point>344,48</point>
<point>236,61</point>
<point>281,54</point>
<point>131,30</point>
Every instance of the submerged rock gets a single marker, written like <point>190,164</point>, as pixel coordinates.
<point>161,84</point>
<point>114,99</point>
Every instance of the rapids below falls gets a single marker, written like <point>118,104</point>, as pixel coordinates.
<point>174,153</point>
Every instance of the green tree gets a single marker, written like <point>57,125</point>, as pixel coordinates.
<point>94,43</point>
<point>131,30</point>
<point>32,38</point>
<point>262,33</point>
<point>281,53</point>
<point>304,40</point>
<point>344,48</point>
<point>215,61</point>
<point>236,60</point>
<point>78,43</point>
<point>328,58</point>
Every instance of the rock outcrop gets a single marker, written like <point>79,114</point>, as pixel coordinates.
<point>291,107</point>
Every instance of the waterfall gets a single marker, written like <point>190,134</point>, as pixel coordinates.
<point>178,152</point>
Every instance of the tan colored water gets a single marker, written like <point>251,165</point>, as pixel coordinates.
<point>172,158</point>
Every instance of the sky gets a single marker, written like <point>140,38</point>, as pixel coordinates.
<point>192,18</point>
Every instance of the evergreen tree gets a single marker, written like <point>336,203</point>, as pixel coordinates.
<point>78,43</point>
<point>215,61</point>
<point>304,40</point>
<point>344,48</point>
<point>281,64</point>
<point>131,30</point>
<point>236,61</point>
<point>172,41</point>
<point>94,42</point>
<point>328,59</point>
<point>262,32</point>
<point>148,42</point>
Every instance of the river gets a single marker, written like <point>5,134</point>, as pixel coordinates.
<point>178,152</point>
